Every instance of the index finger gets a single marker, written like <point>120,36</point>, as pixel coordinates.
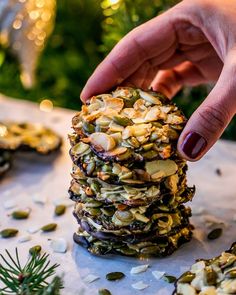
<point>141,44</point>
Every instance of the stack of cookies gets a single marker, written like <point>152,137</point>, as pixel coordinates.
<point>129,184</point>
<point>25,137</point>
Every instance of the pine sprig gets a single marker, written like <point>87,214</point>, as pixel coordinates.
<point>30,279</point>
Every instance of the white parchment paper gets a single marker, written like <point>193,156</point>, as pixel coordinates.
<point>50,178</point>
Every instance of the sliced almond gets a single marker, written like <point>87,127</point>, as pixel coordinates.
<point>103,121</point>
<point>174,119</point>
<point>102,140</point>
<point>153,114</point>
<point>114,103</point>
<point>148,97</point>
<point>113,127</point>
<point>158,274</point>
<point>59,245</point>
<point>140,285</point>
<point>139,269</point>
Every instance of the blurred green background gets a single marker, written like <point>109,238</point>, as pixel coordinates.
<point>85,31</point>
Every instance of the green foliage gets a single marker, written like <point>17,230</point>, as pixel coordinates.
<point>124,15</point>
<point>69,59</point>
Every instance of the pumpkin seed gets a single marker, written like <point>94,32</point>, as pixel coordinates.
<point>125,216</point>
<point>95,187</point>
<point>90,168</point>
<point>231,274</point>
<point>215,234</point>
<point>8,233</point>
<point>49,227</point>
<point>169,279</point>
<point>123,121</point>
<point>147,146</point>
<point>35,250</point>
<point>186,278</point>
<point>20,214</point>
<point>104,292</point>
<point>60,210</point>
<point>79,148</point>
<point>211,276</point>
<point>89,128</point>
<point>114,276</point>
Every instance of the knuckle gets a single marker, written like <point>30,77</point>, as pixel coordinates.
<point>213,119</point>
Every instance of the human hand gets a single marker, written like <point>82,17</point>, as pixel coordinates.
<point>192,43</point>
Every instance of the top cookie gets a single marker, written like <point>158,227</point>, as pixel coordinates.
<point>130,124</point>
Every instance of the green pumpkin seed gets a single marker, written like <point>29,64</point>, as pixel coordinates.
<point>93,204</point>
<point>107,211</point>
<point>150,155</point>
<point>90,168</point>
<point>35,250</point>
<point>211,276</point>
<point>104,292</point>
<point>95,187</point>
<point>231,274</point>
<point>215,234</point>
<point>79,148</point>
<point>114,276</point>
<point>49,227</point>
<point>8,233</point>
<point>233,249</point>
<point>150,250</point>
<point>125,216</point>
<point>169,279</point>
<point>89,128</point>
<point>148,146</point>
<point>60,210</point>
<point>123,121</point>
<point>93,211</point>
<point>186,278</point>
<point>20,214</point>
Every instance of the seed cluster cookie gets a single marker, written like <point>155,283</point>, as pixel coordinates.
<point>129,183</point>
<point>25,137</point>
<point>216,276</point>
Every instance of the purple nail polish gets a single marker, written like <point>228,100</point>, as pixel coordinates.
<point>193,145</point>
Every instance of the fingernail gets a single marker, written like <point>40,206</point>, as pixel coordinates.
<point>193,145</point>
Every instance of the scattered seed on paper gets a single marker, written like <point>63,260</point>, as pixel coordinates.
<point>140,285</point>
<point>9,204</point>
<point>139,269</point>
<point>24,239</point>
<point>59,245</point>
<point>158,274</point>
<point>90,278</point>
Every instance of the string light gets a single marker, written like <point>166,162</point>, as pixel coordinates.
<point>46,105</point>
<point>113,2</point>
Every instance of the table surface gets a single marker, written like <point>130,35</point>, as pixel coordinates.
<point>50,177</point>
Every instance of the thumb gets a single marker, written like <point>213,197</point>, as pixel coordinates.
<point>209,121</point>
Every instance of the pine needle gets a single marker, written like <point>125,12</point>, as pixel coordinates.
<point>30,279</point>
